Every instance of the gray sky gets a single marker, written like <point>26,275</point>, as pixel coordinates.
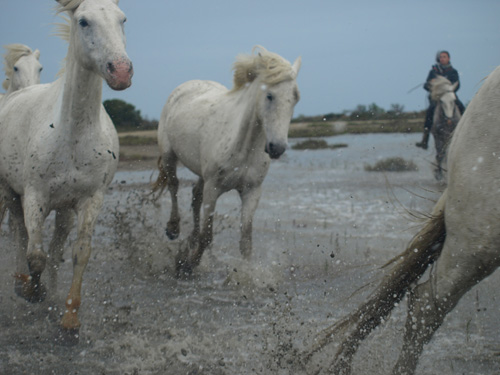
<point>353,52</point>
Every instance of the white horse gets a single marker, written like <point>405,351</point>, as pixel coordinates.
<point>22,68</point>
<point>462,237</point>
<point>446,117</point>
<point>59,149</point>
<point>228,138</point>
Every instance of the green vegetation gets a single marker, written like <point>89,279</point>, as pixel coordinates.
<point>363,112</point>
<point>134,140</point>
<point>395,164</point>
<point>126,117</point>
<point>316,144</point>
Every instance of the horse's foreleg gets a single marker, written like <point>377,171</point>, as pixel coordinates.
<point>249,202</point>
<point>30,286</point>
<point>16,218</point>
<point>196,206</point>
<point>210,195</point>
<point>64,223</point>
<point>87,215</point>
<point>457,270</point>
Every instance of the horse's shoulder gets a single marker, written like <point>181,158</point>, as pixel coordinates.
<point>201,86</point>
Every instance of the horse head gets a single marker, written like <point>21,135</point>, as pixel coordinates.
<point>275,106</point>
<point>98,39</point>
<point>447,102</point>
<point>443,92</point>
<point>22,67</point>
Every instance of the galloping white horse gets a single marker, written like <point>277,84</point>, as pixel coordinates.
<point>446,117</point>
<point>59,149</point>
<point>22,68</point>
<point>226,137</point>
<point>462,236</point>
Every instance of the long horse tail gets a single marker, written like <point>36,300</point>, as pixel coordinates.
<point>407,268</point>
<point>161,181</point>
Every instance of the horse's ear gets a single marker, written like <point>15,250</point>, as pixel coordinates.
<point>63,2</point>
<point>37,54</point>
<point>296,65</point>
<point>455,86</point>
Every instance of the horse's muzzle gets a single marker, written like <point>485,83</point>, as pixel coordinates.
<point>275,150</point>
<point>120,74</point>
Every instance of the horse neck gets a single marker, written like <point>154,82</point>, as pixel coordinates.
<point>250,130</point>
<point>10,90</point>
<point>80,97</point>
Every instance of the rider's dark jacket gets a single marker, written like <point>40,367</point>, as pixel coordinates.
<point>439,70</point>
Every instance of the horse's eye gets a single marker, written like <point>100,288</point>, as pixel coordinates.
<point>124,20</point>
<point>83,22</point>
<point>16,69</point>
<point>269,97</point>
<point>40,69</point>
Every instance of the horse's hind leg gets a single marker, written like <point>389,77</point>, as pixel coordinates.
<point>457,270</point>
<point>170,167</point>
<point>64,223</point>
<point>196,206</point>
<point>249,202</point>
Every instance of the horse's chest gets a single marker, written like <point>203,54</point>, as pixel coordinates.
<point>242,174</point>
<point>71,172</point>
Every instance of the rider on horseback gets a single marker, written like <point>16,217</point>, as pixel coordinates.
<point>442,68</point>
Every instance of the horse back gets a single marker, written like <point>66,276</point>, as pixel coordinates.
<point>188,119</point>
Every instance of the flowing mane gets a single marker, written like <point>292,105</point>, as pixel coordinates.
<point>63,31</point>
<point>13,54</point>
<point>270,68</point>
<point>440,86</point>
<point>68,5</point>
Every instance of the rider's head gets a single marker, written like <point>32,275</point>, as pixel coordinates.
<point>443,57</point>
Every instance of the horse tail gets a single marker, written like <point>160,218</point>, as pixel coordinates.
<point>407,268</point>
<point>161,181</point>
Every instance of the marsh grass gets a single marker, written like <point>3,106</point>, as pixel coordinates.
<point>316,144</point>
<point>395,164</point>
<point>137,140</point>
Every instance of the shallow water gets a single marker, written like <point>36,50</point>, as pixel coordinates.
<point>323,228</point>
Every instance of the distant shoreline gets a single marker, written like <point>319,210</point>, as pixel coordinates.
<point>139,150</point>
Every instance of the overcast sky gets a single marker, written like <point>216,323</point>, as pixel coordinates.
<point>353,52</point>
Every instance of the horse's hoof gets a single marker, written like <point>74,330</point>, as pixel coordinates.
<point>67,337</point>
<point>171,235</point>
<point>183,269</point>
<point>32,291</point>
<point>422,145</point>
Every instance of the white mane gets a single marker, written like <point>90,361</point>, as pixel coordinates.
<point>63,31</point>
<point>68,5</point>
<point>270,68</point>
<point>13,54</point>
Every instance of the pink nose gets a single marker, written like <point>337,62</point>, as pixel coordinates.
<point>121,72</point>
